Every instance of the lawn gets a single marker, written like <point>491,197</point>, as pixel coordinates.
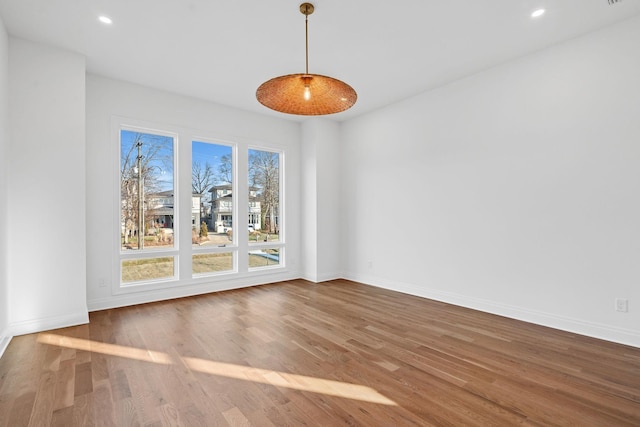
<point>163,267</point>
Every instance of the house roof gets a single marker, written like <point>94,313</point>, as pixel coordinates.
<point>228,187</point>
<point>170,193</point>
<point>161,211</point>
<point>167,193</point>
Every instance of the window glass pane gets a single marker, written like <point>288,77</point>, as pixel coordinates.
<point>212,263</point>
<point>146,191</point>
<point>137,270</point>
<point>264,257</point>
<point>212,198</point>
<point>264,196</point>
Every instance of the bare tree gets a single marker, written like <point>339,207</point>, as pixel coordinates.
<point>202,179</point>
<point>148,167</point>
<point>225,169</point>
<point>264,174</point>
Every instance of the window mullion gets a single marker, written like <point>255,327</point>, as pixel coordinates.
<point>183,184</point>
<point>241,217</point>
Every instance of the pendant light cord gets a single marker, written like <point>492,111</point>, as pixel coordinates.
<point>306,39</point>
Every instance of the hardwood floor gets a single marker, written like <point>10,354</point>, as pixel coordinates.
<point>331,354</point>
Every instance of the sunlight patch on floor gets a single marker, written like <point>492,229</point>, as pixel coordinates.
<point>229,370</point>
<point>105,348</point>
<point>284,379</point>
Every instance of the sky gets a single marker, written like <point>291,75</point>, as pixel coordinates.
<point>206,152</point>
<point>202,152</point>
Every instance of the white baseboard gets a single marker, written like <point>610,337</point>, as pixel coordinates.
<point>330,276</point>
<point>128,299</point>
<point>323,277</point>
<point>5,339</point>
<point>48,323</point>
<point>577,326</point>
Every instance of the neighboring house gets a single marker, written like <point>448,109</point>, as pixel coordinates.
<point>222,208</point>
<point>196,212</point>
<point>160,212</point>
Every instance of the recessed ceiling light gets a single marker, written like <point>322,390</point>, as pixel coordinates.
<point>537,13</point>
<point>105,19</point>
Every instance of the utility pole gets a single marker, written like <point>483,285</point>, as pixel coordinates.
<point>140,198</point>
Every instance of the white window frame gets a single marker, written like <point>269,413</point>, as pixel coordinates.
<point>146,253</point>
<point>233,246</point>
<point>183,250</point>
<point>280,244</point>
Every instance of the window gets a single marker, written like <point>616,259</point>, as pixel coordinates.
<point>212,184</point>
<point>264,208</point>
<point>182,220</point>
<point>264,257</point>
<point>147,202</point>
<point>145,269</point>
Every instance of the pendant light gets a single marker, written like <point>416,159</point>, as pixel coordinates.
<point>306,94</point>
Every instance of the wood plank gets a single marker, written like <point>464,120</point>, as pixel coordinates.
<point>83,379</point>
<point>43,404</point>
<point>65,385</point>
<point>298,353</point>
<point>21,410</point>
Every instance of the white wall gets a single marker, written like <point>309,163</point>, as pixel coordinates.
<point>309,204</point>
<point>321,202</point>
<point>514,191</point>
<point>4,225</point>
<point>46,188</point>
<point>107,99</point>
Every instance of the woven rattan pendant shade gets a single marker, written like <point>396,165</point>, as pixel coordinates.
<point>306,94</point>
<point>286,94</point>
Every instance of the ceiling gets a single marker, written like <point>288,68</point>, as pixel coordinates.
<point>222,50</point>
